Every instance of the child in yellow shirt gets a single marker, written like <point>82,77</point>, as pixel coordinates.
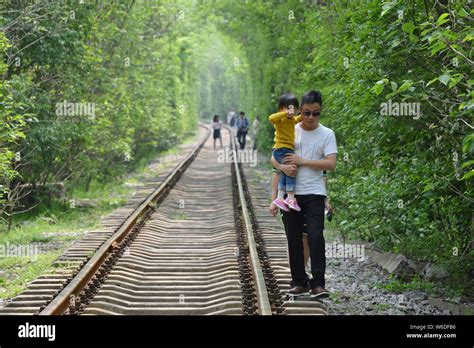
<point>284,122</point>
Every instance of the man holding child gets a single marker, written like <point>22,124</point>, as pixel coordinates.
<point>315,151</point>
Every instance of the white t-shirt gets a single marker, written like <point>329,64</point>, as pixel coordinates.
<point>313,145</point>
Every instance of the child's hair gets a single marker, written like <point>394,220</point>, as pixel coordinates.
<point>216,117</point>
<point>286,100</point>
<point>312,97</point>
<point>242,113</point>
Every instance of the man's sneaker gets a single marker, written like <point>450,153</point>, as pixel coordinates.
<point>292,204</point>
<point>281,204</point>
<point>319,292</point>
<point>298,291</point>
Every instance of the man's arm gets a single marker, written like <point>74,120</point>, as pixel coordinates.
<point>288,169</point>
<point>327,204</point>
<point>325,178</point>
<point>328,163</point>
<point>274,185</point>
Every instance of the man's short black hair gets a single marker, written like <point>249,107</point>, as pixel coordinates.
<point>312,97</point>
<point>242,113</point>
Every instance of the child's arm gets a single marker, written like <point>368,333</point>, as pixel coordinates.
<point>275,118</point>
<point>275,179</point>
<point>298,118</point>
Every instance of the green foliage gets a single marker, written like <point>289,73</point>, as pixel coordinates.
<point>130,62</point>
<point>11,124</point>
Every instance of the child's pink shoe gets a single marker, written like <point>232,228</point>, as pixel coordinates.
<point>281,204</point>
<point>292,204</point>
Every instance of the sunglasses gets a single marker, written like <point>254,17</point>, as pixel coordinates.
<point>314,113</point>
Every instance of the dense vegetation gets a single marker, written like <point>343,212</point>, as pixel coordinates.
<point>126,64</point>
<point>151,68</point>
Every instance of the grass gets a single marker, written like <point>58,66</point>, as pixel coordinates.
<point>382,306</point>
<point>455,287</point>
<point>58,220</point>
<point>18,271</point>
<point>58,225</point>
<point>416,284</point>
<point>335,296</point>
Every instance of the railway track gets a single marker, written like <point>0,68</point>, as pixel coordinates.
<point>201,243</point>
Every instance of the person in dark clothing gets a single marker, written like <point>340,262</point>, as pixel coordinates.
<point>242,129</point>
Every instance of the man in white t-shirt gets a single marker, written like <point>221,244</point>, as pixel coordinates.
<point>315,152</point>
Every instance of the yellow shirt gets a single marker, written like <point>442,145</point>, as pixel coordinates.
<point>284,129</point>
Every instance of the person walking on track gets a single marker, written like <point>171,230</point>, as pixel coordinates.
<point>217,125</point>
<point>242,129</point>
<point>315,151</point>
